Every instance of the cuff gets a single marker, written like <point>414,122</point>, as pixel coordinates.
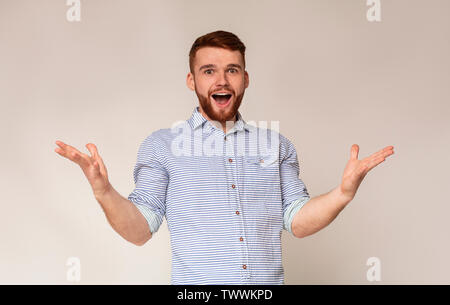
<point>153,219</point>
<point>291,210</point>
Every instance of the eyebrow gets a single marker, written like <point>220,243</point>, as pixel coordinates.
<point>234,66</point>
<point>209,66</point>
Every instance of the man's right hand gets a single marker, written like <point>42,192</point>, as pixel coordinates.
<point>121,213</point>
<point>93,167</point>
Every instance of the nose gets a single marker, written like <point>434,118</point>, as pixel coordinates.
<point>222,80</point>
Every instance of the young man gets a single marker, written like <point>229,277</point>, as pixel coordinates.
<point>225,210</point>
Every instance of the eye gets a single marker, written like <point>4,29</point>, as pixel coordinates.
<point>232,70</point>
<point>209,71</point>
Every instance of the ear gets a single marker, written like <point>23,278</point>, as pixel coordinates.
<point>190,82</point>
<point>246,79</point>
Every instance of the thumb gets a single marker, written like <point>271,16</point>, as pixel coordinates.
<point>98,163</point>
<point>93,150</point>
<point>354,151</point>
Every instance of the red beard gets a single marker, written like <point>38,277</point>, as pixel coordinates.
<point>220,115</point>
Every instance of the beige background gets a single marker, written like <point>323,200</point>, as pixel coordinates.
<point>319,67</point>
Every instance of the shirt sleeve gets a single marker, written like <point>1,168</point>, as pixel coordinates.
<point>151,180</point>
<point>293,190</point>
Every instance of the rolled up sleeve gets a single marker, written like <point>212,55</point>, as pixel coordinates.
<point>151,180</point>
<point>293,191</point>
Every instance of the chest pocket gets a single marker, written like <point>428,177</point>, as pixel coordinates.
<point>263,192</point>
<point>262,161</point>
<point>261,175</point>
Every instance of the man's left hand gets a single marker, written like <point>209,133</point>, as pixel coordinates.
<point>356,170</point>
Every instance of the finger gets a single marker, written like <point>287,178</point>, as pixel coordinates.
<point>65,147</point>
<point>72,154</point>
<point>385,152</point>
<point>354,151</point>
<point>375,162</point>
<point>60,143</point>
<point>62,149</point>
<point>81,159</point>
<point>62,146</point>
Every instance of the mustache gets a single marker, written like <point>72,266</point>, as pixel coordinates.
<point>228,89</point>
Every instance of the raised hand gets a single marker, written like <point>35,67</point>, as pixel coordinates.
<point>356,170</point>
<point>93,167</point>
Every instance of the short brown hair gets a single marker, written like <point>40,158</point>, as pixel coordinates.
<point>220,39</point>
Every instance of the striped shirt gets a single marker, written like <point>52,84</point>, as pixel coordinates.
<point>226,198</point>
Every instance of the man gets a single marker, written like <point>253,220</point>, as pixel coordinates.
<point>225,204</point>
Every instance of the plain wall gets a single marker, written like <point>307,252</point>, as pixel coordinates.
<point>330,77</point>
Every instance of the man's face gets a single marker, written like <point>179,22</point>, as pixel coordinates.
<point>219,80</point>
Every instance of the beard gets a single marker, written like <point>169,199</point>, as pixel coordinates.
<point>220,115</point>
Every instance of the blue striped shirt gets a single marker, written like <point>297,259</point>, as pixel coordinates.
<point>226,198</point>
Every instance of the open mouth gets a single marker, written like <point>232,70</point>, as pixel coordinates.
<point>222,99</point>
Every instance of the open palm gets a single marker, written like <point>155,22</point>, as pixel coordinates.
<point>356,170</point>
<point>93,166</point>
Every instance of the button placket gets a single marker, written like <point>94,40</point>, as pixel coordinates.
<point>231,167</point>
<point>245,273</point>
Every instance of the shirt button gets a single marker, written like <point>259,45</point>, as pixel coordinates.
<point>241,239</point>
<point>230,160</point>
<point>244,266</point>
<point>233,186</point>
<point>237,212</point>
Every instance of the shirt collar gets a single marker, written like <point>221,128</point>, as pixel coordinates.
<point>197,119</point>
